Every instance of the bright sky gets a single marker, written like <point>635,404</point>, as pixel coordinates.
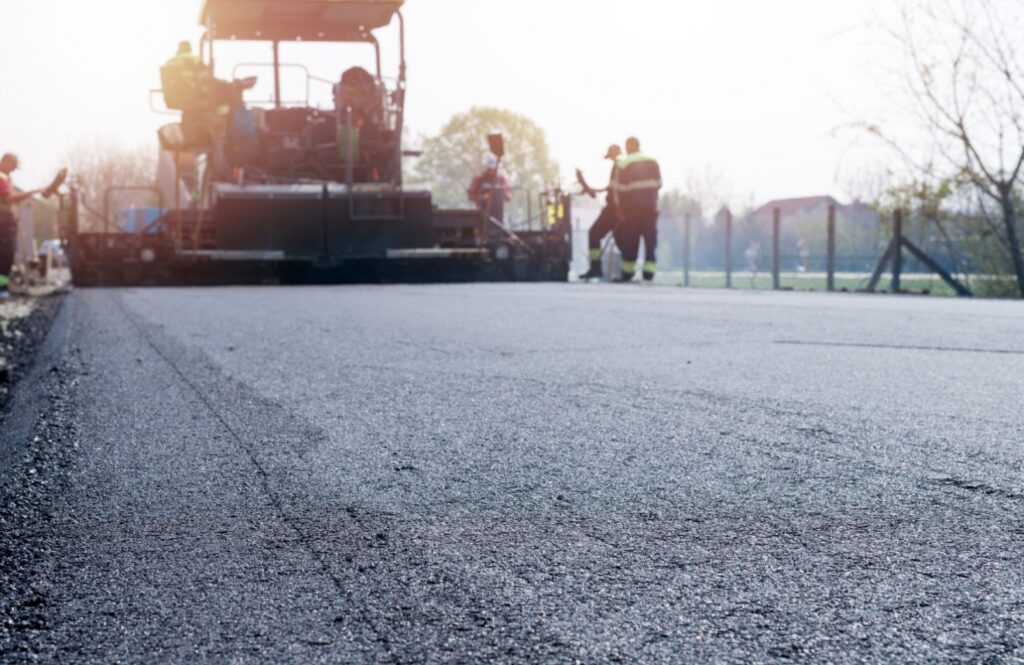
<point>752,89</point>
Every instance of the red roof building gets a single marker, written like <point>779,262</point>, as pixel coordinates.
<point>794,208</point>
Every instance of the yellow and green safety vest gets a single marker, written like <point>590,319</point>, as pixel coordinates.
<point>637,182</point>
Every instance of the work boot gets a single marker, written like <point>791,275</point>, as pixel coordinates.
<point>624,278</point>
<point>595,271</point>
<point>649,277</point>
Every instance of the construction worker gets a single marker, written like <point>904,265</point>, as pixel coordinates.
<point>206,103</point>
<point>636,189</point>
<point>491,190</point>
<point>9,201</point>
<point>607,222</point>
<point>188,87</point>
<point>185,80</point>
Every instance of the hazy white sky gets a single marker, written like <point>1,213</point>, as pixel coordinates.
<point>751,88</point>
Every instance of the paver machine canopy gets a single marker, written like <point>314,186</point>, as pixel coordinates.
<point>307,20</point>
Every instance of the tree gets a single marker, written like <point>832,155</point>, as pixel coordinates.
<point>952,230</point>
<point>708,188</point>
<point>965,79</point>
<point>707,191</point>
<point>452,158</point>
<point>676,207</point>
<point>98,166</point>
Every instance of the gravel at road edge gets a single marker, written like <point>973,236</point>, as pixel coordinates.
<point>36,470</point>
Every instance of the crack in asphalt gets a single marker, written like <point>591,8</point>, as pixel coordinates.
<point>276,501</point>
<point>901,347</point>
<point>979,487</point>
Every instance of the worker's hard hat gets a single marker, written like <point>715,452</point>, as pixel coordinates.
<point>490,162</point>
<point>184,48</point>
<point>614,152</point>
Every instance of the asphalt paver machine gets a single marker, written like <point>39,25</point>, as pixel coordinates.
<point>291,192</point>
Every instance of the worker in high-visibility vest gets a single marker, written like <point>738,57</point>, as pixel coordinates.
<point>637,187</point>
<point>607,222</point>
<point>185,80</point>
<point>9,200</point>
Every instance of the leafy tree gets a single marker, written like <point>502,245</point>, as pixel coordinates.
<point>453,157</point>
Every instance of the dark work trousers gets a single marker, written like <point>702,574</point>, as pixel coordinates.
<point>649,232</point>
<point>607,222</point>
<point>640,224</point>
<point>8,245</point>
<point>498,205</point>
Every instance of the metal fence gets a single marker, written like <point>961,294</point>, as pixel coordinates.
<point>884,264</point>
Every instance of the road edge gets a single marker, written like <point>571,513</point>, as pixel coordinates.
<point>30,397</point>
<point>37,450</point>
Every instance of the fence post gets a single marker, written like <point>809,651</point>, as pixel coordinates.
<point>728,249</point>
<point>776,248</point>
<point>831,249</point>
<point>686,249</point>
<point>897,247</point>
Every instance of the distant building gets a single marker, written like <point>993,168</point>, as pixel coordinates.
<point>860,236</point>
<point>815,208</point>
<point>793,208</point>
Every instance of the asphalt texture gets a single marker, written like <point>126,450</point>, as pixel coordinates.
<point>519,473</point>
<point>24,322</point>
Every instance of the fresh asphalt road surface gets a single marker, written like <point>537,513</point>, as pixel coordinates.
<point>538,473</point>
